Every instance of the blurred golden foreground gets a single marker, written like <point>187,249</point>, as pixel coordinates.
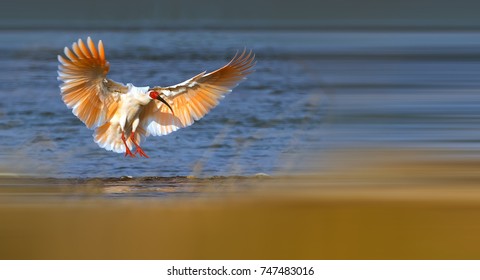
<point>369,205</point>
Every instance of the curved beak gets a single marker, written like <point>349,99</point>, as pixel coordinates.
<point>159,98</point>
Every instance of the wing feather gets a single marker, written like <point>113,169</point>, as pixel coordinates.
<point>85,87</point>
<point>91,47</point>
<point>194,98</point>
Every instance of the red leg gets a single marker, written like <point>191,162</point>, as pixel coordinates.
<point>138,149</point>
<point>127,150</point>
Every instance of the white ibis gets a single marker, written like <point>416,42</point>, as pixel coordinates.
<point>122,115</point>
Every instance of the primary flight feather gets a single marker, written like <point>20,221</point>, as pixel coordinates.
<point>123,114</point>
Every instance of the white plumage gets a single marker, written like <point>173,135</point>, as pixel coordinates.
<point>122,115</point>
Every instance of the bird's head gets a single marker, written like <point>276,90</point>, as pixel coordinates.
<point>155,95</point>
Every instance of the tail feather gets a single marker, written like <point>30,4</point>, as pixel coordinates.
<point>109,137</point>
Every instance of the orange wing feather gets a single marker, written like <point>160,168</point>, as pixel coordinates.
<point>85,87</point>
<point>194,98</point>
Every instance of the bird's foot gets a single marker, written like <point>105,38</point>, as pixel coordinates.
<point>128,152</point>
<point>138,149</point>
<point>141,152</point>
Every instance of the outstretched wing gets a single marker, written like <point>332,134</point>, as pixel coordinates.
<point>194,98</point>
<point>85,88</point>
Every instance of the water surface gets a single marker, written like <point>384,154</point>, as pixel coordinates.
<point>312,92</point>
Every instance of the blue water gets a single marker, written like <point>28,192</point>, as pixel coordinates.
<point>312,92</point>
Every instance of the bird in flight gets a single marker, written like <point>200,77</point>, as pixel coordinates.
<point>123,114</point>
